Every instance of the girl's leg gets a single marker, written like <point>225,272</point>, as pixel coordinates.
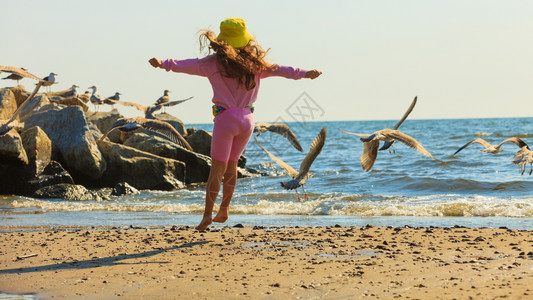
<point>230,176</point>
<point>218,169</point>
<point>230,180</point>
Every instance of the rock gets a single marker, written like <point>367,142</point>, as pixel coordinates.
<point>191,131</point>
<point>104,120</point>
<point>69,132</point>
<point>123,188</point>
<point>175,122</point>
<point>64,191</point>
<point>34,106</point>
<point>8,104</point>
<point>243,173</point>
<point>241,163</point>
<point>38,148</point>
<point>20,94</point>
<point>95,131</point>
<point>13,162</point>
<point>12,150</point>
<point>52,174</point>
<point>200,141</point>
<point>197,165</point>
<point>140,169</point>
<point>102,194</point>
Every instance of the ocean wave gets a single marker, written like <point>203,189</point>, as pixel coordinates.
<point>333,204</point>
<point>459,185</point>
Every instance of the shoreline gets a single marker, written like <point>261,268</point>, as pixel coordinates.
<point>268,262</point>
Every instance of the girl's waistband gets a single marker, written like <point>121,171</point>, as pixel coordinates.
<point>217,109</point>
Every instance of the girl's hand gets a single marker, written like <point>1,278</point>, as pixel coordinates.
<point>156,63</point>
<point>312,74</point>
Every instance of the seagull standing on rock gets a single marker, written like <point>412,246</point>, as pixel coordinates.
<point>14,76</point>
<point>113,99</point>
<point>70,92</point>
<point>95,98</point>
<point>49,80</point>
<point>163,99</point>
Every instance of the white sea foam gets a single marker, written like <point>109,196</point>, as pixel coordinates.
<point>427,206</point>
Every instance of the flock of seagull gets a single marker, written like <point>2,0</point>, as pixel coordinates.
<point>371,142</point>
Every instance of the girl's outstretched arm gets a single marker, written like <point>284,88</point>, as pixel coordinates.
<point>155,62</point>
<point>312,74</point>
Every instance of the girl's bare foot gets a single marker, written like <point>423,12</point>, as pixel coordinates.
<point>206,221</point>
<point>222,215</point>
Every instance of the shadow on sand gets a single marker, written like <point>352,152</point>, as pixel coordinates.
<point>99,262</point>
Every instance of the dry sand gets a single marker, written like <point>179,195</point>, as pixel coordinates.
<point>269,263</point>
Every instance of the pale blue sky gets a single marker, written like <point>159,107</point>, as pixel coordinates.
<point>464,59</point>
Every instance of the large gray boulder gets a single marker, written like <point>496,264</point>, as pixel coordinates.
<point>8,104</point>
<point>34,106</point>
<point>70,133</point>
<point>197,165</point>
<point>104,120</point>
<point>200,141</point>
<point>52,174</point>
<point>140,169</point>
<point>12,150</point>
<point>20,93</point>
<point>38,147</point>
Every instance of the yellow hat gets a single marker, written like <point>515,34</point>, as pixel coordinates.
<point>233,31</point>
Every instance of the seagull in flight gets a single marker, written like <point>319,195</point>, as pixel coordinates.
<point>522,157</point>
<point>130,124</point>
<point>300,177</point>
<point>387,145</point>
<point>371,145</point>
<point>494,149</point>
<point>150,110</point>
<point>281,129</point>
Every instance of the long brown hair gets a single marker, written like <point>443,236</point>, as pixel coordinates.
<point>239,63</point>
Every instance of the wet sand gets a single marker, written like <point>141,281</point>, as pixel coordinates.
<point>268,263</point>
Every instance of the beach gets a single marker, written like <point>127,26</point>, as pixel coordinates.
<point>244,262</point>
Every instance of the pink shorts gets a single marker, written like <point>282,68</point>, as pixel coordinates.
<point>231,133</point>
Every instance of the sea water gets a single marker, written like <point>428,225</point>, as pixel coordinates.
<point>404,187</point>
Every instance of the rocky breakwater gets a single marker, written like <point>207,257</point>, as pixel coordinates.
<point>55,152</point>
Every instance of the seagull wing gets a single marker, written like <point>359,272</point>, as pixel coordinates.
<point>478,140</point>
<point>521,156</point>
<point>409,110</point>
<point>286,132</point>
<point>118,123</point>
<point>370,153</point>
<point>409,141</point>
<point>290,170</point>
<point>357,134</point>
<point>517,141</point>
<point>165,129</point>
<point>20,72</point>
<point>136,105</point>
<point>314,151</point>
<point>261,127</point>
<point>172,103</point>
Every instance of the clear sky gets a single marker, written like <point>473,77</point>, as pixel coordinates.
<point>462,58</point>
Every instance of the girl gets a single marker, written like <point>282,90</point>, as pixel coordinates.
<point>234,71</point>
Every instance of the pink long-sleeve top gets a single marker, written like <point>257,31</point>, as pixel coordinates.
<point>226,91</point>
